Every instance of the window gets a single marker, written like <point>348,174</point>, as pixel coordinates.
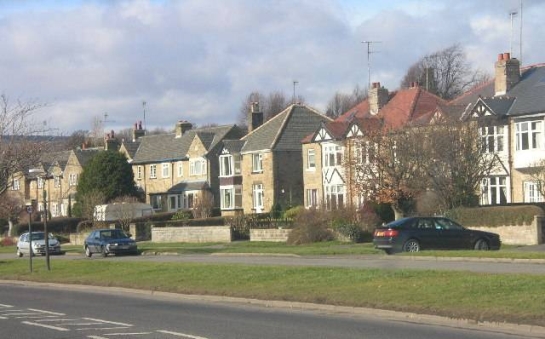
<point>73,179</point>
<point>231,197</point>
<point>155,202</point>
<point>334,196</point>
<point>189,201</point>
<point>153,171</point>
<point>257,162</point>
<point>57,181</point>
<point>15,185</point>
<point>174,202</point>
<point>257,197</point>
<point>492,138</point>
<point>494,191</point>
<point>532,192</point>
<point>197,167</point>
<point>139,172</point>
<point>180,166</point>
<point>311,159</point>
<point>333,155</point>
<point>40,183</point>
<point>312,197</point>
<point>165,170</point>
<point>528,135</point>
<point>226,165</point>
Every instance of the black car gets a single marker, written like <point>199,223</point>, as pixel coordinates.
<point>416,233</point>
<point>109,241</point>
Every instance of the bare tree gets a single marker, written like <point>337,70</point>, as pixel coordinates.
<point>125,211</point>
<point>21,139</point>
<point>537,174</point>
<point>271,104</point>
<point>384,167</point>
<point>445,73</point>
<point>10,209</point>
<point>342,102</point>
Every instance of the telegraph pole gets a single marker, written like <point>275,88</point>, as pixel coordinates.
<point>295,82</point>
<point>369,52</point>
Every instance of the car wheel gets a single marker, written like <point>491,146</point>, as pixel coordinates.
<point>411,245</point>
<point>104,251</point>
<point>482,245</point>
<point>88,252</point>
<point>19,253</point>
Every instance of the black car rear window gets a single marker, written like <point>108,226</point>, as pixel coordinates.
<point>402,223</point>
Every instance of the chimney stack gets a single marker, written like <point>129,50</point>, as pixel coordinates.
<point>137,131</point>
<point>255,118</point>
<point>378,97</point>
<point>182,126</point>
<point>507,73</point>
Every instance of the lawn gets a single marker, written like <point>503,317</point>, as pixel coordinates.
<point>514,298</point>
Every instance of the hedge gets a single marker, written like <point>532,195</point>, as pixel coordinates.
<point>494,216</point>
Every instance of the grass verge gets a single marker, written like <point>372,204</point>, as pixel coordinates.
<point>511,298</point>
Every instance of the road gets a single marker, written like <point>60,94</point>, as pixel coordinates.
<point>30,311</point>
<point>494,266</point>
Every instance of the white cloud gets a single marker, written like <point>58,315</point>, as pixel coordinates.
<point>197,60</point>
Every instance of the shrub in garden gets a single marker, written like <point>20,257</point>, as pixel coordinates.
<point>310,226</point>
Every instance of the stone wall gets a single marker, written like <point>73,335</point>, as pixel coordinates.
<point>191,234</point>
<point>518,234</point>
<point>272,234</point>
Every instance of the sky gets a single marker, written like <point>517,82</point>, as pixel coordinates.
<point>197,60</point>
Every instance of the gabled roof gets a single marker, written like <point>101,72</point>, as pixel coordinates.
<point>84,155</point>
<point>233,146</point>
<point>285,131</point>
<point>54,158</point>
<point>166,147</point>
<point>131,147</point>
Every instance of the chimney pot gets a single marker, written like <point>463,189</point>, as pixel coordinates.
<point>506,56</point>
<point>500,57</point>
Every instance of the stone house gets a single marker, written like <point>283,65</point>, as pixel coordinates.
<point>180,170</point>
<point>272,162</point>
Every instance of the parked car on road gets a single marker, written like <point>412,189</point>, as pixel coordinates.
<point>38,244</point>
<point>416,233</point>
<point>109,241</point>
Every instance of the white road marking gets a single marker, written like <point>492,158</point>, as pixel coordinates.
<point>46,326</point>
<point>181,334</point>
<point>46,312</point>
<point>3,318</point>
<point>59,320</point>
<point>102,328</point>
<point>108,322</point>
<point>41,317</point>
<point>6,306</point>
<point>121,334</point>
<point>96,337</point>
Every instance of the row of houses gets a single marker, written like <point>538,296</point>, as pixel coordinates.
<point>297,157</point>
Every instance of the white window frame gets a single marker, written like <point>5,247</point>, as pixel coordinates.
<point>15,185</point>
<point>492,190</point>
<point>311,159</point>
<point>333,155</point>
<point>230,197</point>
<point>153,171</point>
<point>335,196</point>
<point>180,167</point>
<point>57,181</point>
<point>493,138</point>
<point>41,182</point>
<point>312,197</point>
<point>138,172</point>
<point>532,192</point>
<point>197,167</point>
<point>73,179</point>
<point>165,170</point>
<point>258,197</point>
<point>226,165</point>
<point>257,162</point>
<point>529,135</point>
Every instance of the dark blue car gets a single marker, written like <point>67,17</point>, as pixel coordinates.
<point>416,233</point>
<point>109,241</point>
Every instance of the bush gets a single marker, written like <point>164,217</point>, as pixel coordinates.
<point>309,227</point>
<point>7,242</point>
<point>182,216</point>
<point>493,216</point>
<point>293,212</point>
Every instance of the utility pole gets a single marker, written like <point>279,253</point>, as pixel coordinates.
<point>46,234</point>
<point>520,38</point>
<point>144,103</point>
<point>369,52</point>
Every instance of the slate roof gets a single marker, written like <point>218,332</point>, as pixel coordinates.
<point>60,158</point>
<point>131,147</point>
<point>233,146</point>
<point>499,105</point>
<point>166,147</point>
<point>188,186</point>
<point>84,155</point>
<point>285,131</point>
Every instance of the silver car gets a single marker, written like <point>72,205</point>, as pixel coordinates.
<point>38,244</point>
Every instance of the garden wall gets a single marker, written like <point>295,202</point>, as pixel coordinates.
<point>191,234</point>
<point>532,234</point>
<point>272,234</point>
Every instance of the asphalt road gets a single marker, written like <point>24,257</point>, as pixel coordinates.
<point>494,266</point>
<point>29,311</point>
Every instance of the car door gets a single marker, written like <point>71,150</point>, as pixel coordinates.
<point>23,244</point>
<point>427,233</point>
<point>92,241</point>
<point>454,236</point>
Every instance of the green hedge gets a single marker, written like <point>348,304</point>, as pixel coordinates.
<point>493,216</point>
<point>64,225</point>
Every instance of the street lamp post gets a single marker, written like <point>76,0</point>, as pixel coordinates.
<point>46,235</point>
<point>29,211</point>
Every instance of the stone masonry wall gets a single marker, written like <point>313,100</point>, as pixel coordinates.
<point>518,234</point>
<point>273,235</point>
<point>191,234</point>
